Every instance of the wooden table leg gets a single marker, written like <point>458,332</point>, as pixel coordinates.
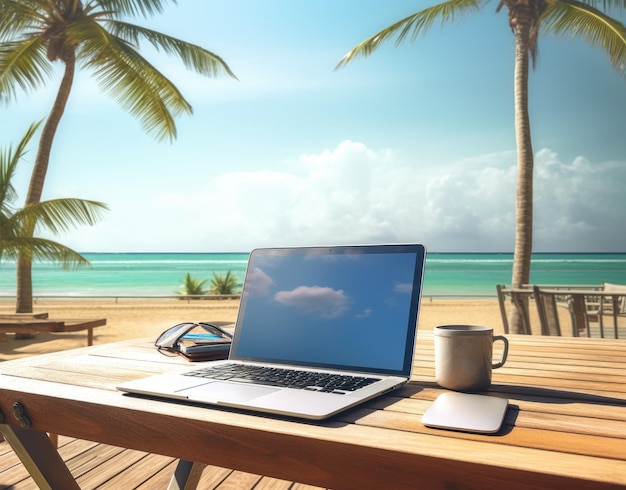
<point>54,438</point>
<point>40,458</point>
<point>186,476</point>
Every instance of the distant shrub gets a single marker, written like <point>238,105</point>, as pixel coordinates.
<point>192,286</point>
<point>224,284</point>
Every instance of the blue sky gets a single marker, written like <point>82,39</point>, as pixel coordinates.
<point>413,144</point>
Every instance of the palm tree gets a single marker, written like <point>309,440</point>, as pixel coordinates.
<point>55,215</point>
<point>192,286</point>
<point>581,18</point>
<point>225,284</point>
<point>36,33</point>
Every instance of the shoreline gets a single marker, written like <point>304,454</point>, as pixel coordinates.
<point>135,318</point>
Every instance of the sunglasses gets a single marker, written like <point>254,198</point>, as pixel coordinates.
<point>168,341</point>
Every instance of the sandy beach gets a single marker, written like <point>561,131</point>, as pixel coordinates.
<point>134,318</point>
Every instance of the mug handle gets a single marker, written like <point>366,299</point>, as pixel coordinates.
<point>505,352</point>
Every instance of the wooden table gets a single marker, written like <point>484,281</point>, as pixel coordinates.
<point>565,426</point>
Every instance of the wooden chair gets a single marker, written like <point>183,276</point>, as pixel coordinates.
<point>519,300</point>
<point>613,305</point>
<point>582,308</point>
<point>611,301</point>
<point>621,302</point>
<point>547,311</point>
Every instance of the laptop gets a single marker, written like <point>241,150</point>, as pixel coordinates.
<point>319,330</point>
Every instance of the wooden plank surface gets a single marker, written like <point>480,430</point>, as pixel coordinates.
<point>101,467</point>
<point>566,424</point>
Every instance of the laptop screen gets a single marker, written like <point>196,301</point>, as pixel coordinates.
<point>352,308</point>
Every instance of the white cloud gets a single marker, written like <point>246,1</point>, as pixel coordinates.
<point>315,300</point>
<point>470,205</point>
<point>365,313</point>
<point>404,288</point>
<point>579,206</point>
<point>259,283</point>
<point>354,194</point>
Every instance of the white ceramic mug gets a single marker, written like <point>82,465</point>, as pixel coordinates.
<point>464,356</point>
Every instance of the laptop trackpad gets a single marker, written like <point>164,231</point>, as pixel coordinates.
<point>466,412</point>
<point>226,392</point>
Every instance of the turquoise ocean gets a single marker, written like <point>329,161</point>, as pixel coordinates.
<point>161,274</point>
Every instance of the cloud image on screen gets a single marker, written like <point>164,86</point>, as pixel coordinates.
<point>365,313</point>
<point>403,288</point>
<point>315,300</point>
<point>259,283</point>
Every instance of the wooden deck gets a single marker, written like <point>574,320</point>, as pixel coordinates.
<point>98,466</point>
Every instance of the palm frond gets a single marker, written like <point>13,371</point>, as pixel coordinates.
<point>412,26</point>
<point>192,286</point>
<point>8,163</point>
<point>194,57</point>
<point>224,284</point>
<point>607,5</point>
<point>144,8</point>
<point>17,16</point>
<point>17,226</point>
<point>577,19</point>
<point>41,249</point>
<point>22,64</point>
<point>131,80</point>
<point>58,215</point>
<point>8,194</point>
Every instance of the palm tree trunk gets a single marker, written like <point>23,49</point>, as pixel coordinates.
<point>524,203</point>
<point>24,302</point>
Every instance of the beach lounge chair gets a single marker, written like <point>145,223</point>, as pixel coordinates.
<point>31,324</point>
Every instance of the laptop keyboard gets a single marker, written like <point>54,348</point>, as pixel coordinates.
<point>284,378</point>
